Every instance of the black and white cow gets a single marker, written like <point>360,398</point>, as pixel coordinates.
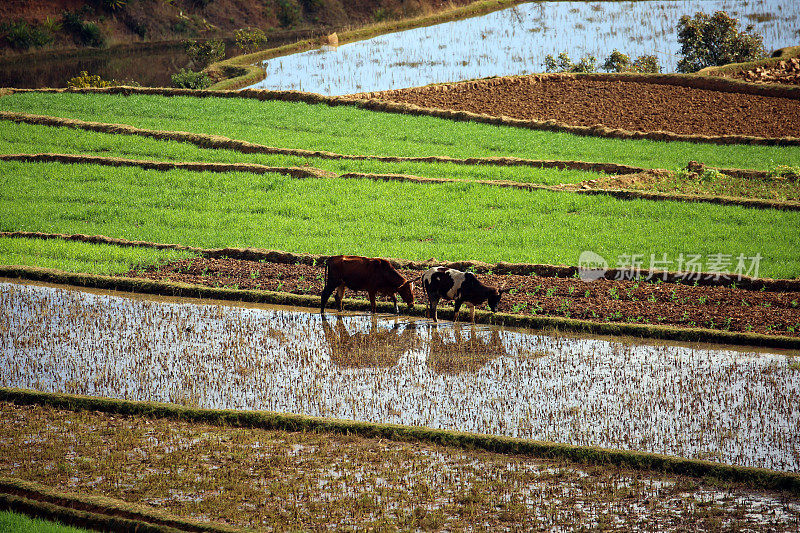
<point>452,284</point>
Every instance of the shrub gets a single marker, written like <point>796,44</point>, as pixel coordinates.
<point>619,62</point>
<point>187,79</point>
<point>715,40</point>
<point>250,39</point>
<point>86,33</point>
<point>113,5</point>
<point>565,64</point>
<point>288,13</point>
<point>84,80</point>
<point>785,172</point>
<point>646,64</point>
<point>22,36</point>
<point>205,53</point>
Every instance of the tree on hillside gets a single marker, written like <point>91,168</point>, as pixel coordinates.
<point>715,40</point>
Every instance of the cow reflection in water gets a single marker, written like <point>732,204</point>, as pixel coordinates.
<point>464,354</point>
<point>376,348</point>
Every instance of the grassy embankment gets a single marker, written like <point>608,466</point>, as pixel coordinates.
<point>447,221</point>
<point>22,524</point>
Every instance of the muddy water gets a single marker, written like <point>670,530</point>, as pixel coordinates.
<point>693,401</point>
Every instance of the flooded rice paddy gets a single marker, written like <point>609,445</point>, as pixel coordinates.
<point>719,404</point>
<point>516,41</point>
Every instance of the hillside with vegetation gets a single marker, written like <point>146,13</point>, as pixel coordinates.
<point>74,24</point>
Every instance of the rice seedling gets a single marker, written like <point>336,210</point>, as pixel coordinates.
<point>10,521</point>
<point>388,219</point>
<point>352,131</point>
<point>26,138</point>
<point>82,257</point>
<point>734,407</point>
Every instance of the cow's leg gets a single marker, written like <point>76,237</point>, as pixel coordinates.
<point>456,307</point>
<point>372,302</point>
<point>433,303</point>
<point>472,312</point>
<point>393,297</point>
<point>326,293</point>
<point>339,296</point>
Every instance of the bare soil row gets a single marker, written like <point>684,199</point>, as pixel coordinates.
<point>614,103</point>
<point>627,301</point>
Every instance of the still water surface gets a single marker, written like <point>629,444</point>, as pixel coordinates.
<point>515,41</point>
<point>702,402</point>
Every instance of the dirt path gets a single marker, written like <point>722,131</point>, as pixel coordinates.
<point>626,105</point>
<point>722,308</point>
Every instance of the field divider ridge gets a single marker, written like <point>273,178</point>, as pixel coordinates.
<point>751,476</point>
<point>369,102</point>
<point>95,512</point>
<point>536,322</point>
<point>295,172</point>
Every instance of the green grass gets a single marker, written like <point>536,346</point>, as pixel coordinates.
<point>26,138</point>
<point>80,256</point>
<point>391,219</point>
<point>354,131</point>
<point>19,523</point>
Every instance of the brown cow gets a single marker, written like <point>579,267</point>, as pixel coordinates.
<point>374,275</point>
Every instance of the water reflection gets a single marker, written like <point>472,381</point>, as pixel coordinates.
<point>718,404</point>
<point>515,41</point>
<point>377,347</point>
<point>463,349</point>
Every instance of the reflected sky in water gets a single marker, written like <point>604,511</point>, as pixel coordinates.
<point>730,406</point>
<point>515,41</point>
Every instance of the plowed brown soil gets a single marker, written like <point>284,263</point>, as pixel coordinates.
<point>723,308</point>
<point>632,106</point>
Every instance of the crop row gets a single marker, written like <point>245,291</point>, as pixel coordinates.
<point>27,138</point>
<point>450,221</point>
<point>82,257</point>
<point>354,131</point>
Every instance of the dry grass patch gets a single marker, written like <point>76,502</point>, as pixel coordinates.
<point>782,184</point>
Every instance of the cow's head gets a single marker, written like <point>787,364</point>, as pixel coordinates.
<point>406,292</point>
<point>494,298</point>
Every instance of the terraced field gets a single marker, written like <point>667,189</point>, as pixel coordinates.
<point>207,172</point>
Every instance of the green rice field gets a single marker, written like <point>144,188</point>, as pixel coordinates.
<point>353,131</point>
<point>449,221</point>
